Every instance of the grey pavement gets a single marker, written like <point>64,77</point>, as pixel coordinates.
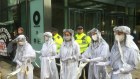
<point>7,68</point>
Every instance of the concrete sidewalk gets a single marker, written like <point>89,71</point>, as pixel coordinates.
<point>6,68</point>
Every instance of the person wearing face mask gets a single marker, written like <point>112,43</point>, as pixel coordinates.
<point>13,43</point>
<point>124,54</point>
<point>98,51</point>
<point>48,65</point>
<point>25,54</point>
<point>69,55</point>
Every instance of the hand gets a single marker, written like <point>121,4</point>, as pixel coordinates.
<point>85,60</point>
<point>93,60</point>
<point>65,59</point>
<point>19,63</point>
<point>98,59</point>
<point>52,58</point>
<point>122,70</point>
<point>103,63</point>
<point>117,72</point>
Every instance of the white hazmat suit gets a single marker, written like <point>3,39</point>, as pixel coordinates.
<point>25,54</point>
<point>98,51</point>
<point>69,54</point>
<point>48,64</point>
<point>124,54</point>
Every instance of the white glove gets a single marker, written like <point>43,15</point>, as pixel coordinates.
<point>98,59</point>
<point>85,60</point>
<point>18,62</point>
<point>52,57</point>
<point>126,68</point>
<point>103,63</point>
<point>123,70</point>
<point>56,56</point>
<point>117,72</point>
<point>68,58</point>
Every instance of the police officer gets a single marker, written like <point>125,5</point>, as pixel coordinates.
<point>57,39</point>
<point>83,40</point>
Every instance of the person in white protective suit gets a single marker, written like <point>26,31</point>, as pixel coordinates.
<point>69,55</point>
<point>48,64</point>
<point>124,54</point>
<point>25,54</point>
<point>98,51</point>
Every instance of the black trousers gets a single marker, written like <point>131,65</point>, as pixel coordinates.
<point>58,67</point>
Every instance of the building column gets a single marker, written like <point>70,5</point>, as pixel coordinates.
<point>66,13</point>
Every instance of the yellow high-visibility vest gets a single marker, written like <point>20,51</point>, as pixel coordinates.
<point>83,40</point>
<point>58,41</point>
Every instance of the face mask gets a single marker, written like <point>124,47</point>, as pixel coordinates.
<point>21,43</point>
<point>94,37</point>
<point>119,37</point>
<point>67,38</point>
<point>46,38</point>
